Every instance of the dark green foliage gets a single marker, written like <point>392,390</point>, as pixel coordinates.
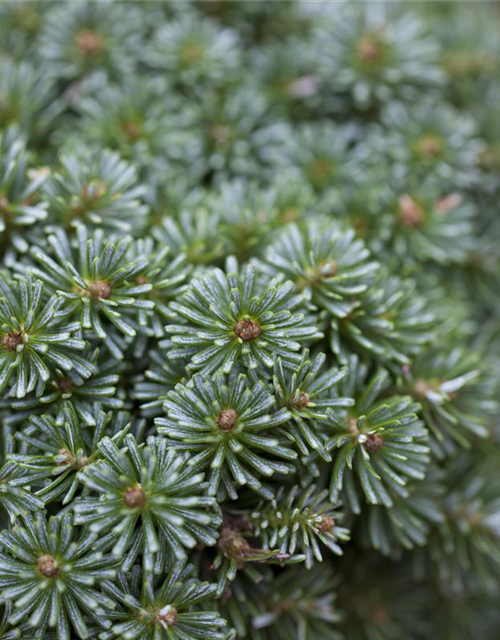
<point>84,393</point>
<point>308,394</point>
<point>317,153</point>
<point>14,499</point>
<point>150,499</point>
<point>226,319</point>
<point>367,62</point>
<point>152,387</point>
<point>406,523</point>
<point>228,424</point>
<point>299,521</point>
<point>20,204</point>
<point>467,535</point>
<point>249,337</point>
<point>52,577</point>
<point>380,440</point>
<point>391,322</point>
<point>28,99</point>
<point>330,266</point>
<point>164,612</point>
<point>198,51</point>
<point>434,140</point>
<point>457,395</point>
<point>382,601</point>
<point>299,603</point>
<point>196,233</point>
<point>96,280</point>
<point>85,39</point>
<point>36,336</point>
<point>99,189</point>
<point>58,449</point>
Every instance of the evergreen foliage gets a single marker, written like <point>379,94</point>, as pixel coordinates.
<point>249,336</point>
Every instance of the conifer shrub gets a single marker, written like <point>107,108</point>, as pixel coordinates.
<point>249,321</point>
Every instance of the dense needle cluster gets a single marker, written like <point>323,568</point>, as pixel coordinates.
<point>249,337</point>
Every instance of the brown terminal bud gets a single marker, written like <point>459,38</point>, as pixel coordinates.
<point>325,524</point>
<point>100,290</point>
<point>410,212</point>
<point>169,618</point>
<point>234,545</point>
<point>247,330</point>
<point>69,458</point>
<point>352,424</point>
<point>132,130</point>
<point>429,147</point>
<point>67,455</point>
<point>192,52</point>
<point>290,214</point>
<point>328,269</point>
<point>379,616</point>
<point>374,442</point>
<point>369,49</point>
<point>220,134</point>
<point>319,171</point>
<point>421,388</point>
<point>227,420</point>
<point>10,341</point>
<point>237,547</point>
<point>303,400</point>
<point>448,203</point>
<point>4,204</point>
<point>65,384</point>
<point>47,565</point>
<point>89,42</point>
<point>135,497</point>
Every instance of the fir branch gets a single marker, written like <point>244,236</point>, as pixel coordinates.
<point>36,337</point>
<point>96,281</point>
<point>151,501</point>
<point>20,202</point>
<point>331,267</point>
<point>457,392</point>
<point>78,42</point>
<point>85,394</point>
<point>225,319</point>
<point>369,63</point>
<point>298,520</point>
<point>308,394</point>
<point>98,189</point>
<point>53,576</point>
<point>57,449</point>
<point>170,611</point>
<point>381,441</point>
<point>391,323</point>
<point>231,428</point>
